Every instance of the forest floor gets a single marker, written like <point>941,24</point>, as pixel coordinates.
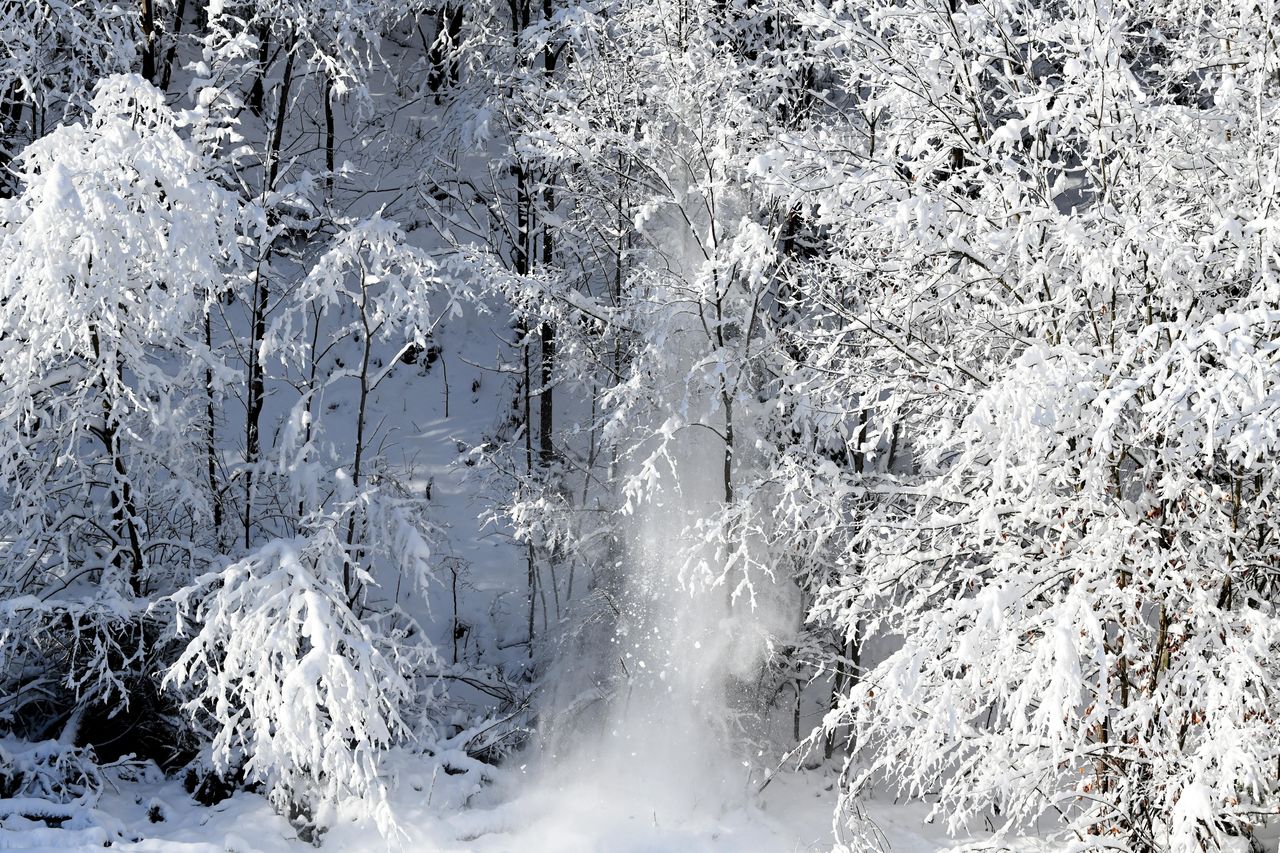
<point>443,812</point>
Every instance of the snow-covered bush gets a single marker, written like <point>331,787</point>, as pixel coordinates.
<point>295,681</point>
<point>48,793</point>
<point>50,771</point>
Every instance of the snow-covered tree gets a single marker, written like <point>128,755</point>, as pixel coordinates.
<point>304,675</point>
<point>1048,280</point>
<point>109,256</point>
<point>305,694</point>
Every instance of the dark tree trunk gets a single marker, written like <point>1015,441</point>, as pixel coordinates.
<point>211,448</point>
<point>328,138</point>
<point>257,93</point>
<point>148,40</point>
<point>258,317</point>
<point>124,513</point>
<point>443,53</point>
<point>166,72</point>
<point>350,581</point>
<point>547,334</point>
<point>522,264</point>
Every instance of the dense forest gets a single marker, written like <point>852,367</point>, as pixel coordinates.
<point>680,425</point>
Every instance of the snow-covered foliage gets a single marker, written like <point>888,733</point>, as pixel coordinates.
<point>341,38</point>
<point>52,54</point>
<point>48,792</point>
<point>299,687</point>
<point>48,771</point>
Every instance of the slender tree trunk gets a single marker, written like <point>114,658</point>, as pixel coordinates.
<point>166,71</point>
<point>282,106</point>
<point>258,317</point>
<point>727,461</point>
<point>726,402</point>
<point>211,448</point>
<point>546,409</point>
<point>522,259</point>
<point>547,331</point>
<point>727,474</point>
<point>453,573</point>
<point>123,511</point>
<point>257,93</point>
<point>837,690</point>
<point>313,367</point>
<point>328,138</point>
<point>350,582</point>
<point>850,649</point>
<point>257,389</point>
<point>442,54</point>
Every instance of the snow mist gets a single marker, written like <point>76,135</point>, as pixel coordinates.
<point>665,748</point>
<point>687,650</point>
<point>678,727</point>
<point>678,721</point>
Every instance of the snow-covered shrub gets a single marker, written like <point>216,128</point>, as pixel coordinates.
<point>48,770</point>
<point>48,794</point>
<point>293,679</point>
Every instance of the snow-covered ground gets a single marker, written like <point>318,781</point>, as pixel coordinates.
<point>517,811</point>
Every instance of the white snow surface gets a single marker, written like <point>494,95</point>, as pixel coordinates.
<point>522,810</point>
